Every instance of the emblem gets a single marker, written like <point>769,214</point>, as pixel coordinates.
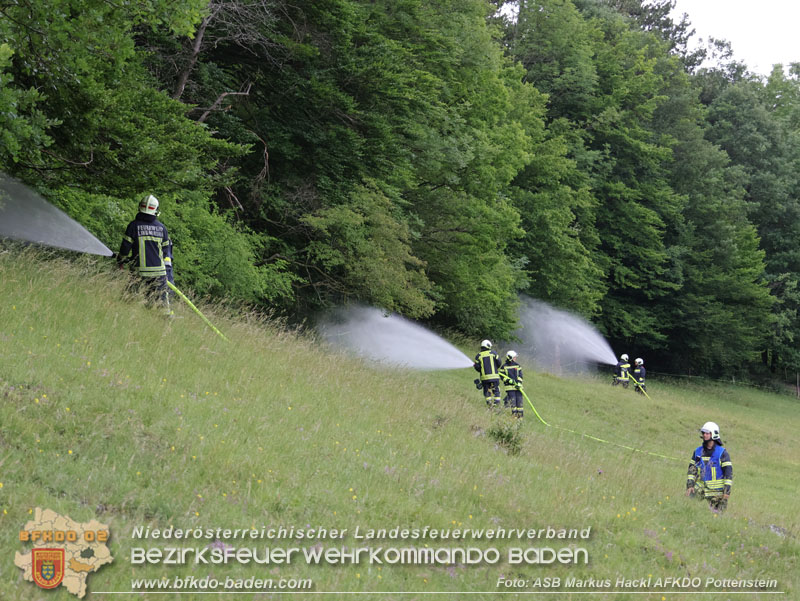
<point>48,567</point>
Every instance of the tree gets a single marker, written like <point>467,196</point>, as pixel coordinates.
<point>96,134</point>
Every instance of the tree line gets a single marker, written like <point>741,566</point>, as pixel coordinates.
<point>432,158</point>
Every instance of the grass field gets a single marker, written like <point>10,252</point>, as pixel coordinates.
<point>111,411</point>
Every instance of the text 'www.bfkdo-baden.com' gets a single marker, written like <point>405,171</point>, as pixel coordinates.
<point>208,583</point>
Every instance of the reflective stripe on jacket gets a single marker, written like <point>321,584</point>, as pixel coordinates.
<point>711,469</point>
<point>487,363</point>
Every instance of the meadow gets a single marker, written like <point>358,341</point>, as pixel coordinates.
<point>112,411</point>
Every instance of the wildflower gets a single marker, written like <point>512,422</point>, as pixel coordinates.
<point>218,544</point>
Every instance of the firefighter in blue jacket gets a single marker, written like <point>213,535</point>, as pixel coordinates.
<point>147,241</point>
<point>488,365</point>
<point>639,374</point>
<point>710,474</point>
<point>511,372</point>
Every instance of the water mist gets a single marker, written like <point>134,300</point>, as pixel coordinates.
<point>559,341</point>
<point>388,338</point>
<point>24,215</point>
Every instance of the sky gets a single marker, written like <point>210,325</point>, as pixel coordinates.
<point>761,32</point>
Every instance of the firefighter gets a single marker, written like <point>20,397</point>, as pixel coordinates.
<point>511,372</point>
<point>147,241</point>
<point>638,375</point>
<point>710,475</point>
<point>488,365</point>
<point>621,371</point>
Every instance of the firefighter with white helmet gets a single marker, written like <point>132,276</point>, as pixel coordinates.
<point>621,371</point>
<point>147,242</point>
<point>511,372</point>
<point>487,364</point>
<point>710,475</point>
<point>638,375</point>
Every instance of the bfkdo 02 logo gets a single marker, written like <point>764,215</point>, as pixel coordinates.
<point>65,552</point>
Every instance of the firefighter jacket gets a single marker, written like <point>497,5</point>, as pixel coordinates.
<point>639,372</point>
<point>488,365</point>
<point>511,372</point>
<point>713,467</point>
<point>147,241</point>
<point>622,369</point>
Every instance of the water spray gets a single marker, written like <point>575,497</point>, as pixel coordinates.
<point>556,339</point>
<point>25,215</point>
<point>386,337</point>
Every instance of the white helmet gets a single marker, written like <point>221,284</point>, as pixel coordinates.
<point>487,344</point>
<point>639,361</point>
<point>624,357</point>
<point>511,355</point>
<point>710,427</point>
<point>149,205</point>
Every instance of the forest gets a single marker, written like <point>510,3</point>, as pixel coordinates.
<point>436,159</point>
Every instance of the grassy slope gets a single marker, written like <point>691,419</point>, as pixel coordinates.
<point>110,411</point>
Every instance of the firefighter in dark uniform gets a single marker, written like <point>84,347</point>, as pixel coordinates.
<point>639,374</point>
<point>488,365</point>
<point>621,371</point>
<point>511,372</point>
<point>710,475</point>
<point>147,241</point>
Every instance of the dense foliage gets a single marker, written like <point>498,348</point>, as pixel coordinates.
<point>436,159</point>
